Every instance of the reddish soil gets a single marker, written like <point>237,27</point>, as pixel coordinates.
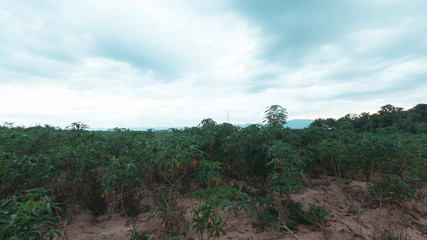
<point>351,217</point>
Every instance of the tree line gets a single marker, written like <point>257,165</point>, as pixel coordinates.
<point>46,173</point>
<point>388,119</point>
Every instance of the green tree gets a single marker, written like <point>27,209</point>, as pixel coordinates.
<point>78,126</point>
<point>275,114</point>
<point>389,115</point>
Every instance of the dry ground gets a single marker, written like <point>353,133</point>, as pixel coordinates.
<point>350,218</point>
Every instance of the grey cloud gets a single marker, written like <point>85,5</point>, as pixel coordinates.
<point>261,82</point>
<point>292,34</point>
<point>140,57</point>
<point>381,89</point>
<point>315,53</point>
<point>35,45</point>
<point>292,30</point>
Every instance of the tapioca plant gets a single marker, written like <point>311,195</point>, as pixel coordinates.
<point>30,216</point>
<point>207,220</point>
<point>285,178</point>
<point>121,174</point>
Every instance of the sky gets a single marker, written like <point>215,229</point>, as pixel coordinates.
<point>173,63</point>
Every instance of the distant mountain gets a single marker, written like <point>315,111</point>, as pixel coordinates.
<point>145,129</point>
<point>298,123</point>
<point>245,125</point>
<point>294,124</point>
<point>131,128</point>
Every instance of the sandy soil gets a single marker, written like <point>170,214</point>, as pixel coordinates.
<point>350,218</point>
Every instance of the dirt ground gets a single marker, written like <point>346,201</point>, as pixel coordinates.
<point>350,218</point>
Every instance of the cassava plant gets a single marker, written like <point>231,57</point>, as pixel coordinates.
<point>32,216</point>
<point>120,175</point>
<point>285,178</point>
<point>207,220</point>
<point>170,159</point>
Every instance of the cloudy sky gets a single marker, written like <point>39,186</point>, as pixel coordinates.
<point>171,63</point>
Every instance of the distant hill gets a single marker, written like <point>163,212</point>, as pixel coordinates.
<point>294,124</point>
<point>131,128</point>
<point>298,123</point>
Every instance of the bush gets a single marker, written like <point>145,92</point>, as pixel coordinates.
<point>268,218</point>
<point>316,214</point>
<point>135,235</point>
<point>390,188</point>
<point>28,217</point>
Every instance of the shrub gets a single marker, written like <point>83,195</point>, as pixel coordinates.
<point>390,188</point>
<point>206,217</point>
<point>136,235</point>
<point>316,214</point>
<point>268,218</point>
<point>32,216</point>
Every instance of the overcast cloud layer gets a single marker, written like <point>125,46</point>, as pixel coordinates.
<point>173,63</point>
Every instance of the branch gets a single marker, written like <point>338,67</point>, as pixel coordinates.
<point>295,236</point>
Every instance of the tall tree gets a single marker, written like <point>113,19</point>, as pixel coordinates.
<point>275,114</point>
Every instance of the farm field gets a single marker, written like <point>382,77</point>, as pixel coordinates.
<point>346,219</point>
<point>358,177</point>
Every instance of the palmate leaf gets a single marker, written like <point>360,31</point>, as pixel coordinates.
<point>24,217</point>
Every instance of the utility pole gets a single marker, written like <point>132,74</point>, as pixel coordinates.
<point>228,116</point>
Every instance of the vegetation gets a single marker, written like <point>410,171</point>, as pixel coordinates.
<point>45,172</point>
<point>275,114</point>
<point>28,217</point>
<point>389,119</point>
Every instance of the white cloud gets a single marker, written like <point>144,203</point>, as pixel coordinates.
<point>173,63</point>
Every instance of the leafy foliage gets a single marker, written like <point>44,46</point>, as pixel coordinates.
<point>387,149</point>
<point>207,220</point>
<point>275,115</point>
<point>316,214</point>
<point>139,235</point>
<point>32,216</point>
